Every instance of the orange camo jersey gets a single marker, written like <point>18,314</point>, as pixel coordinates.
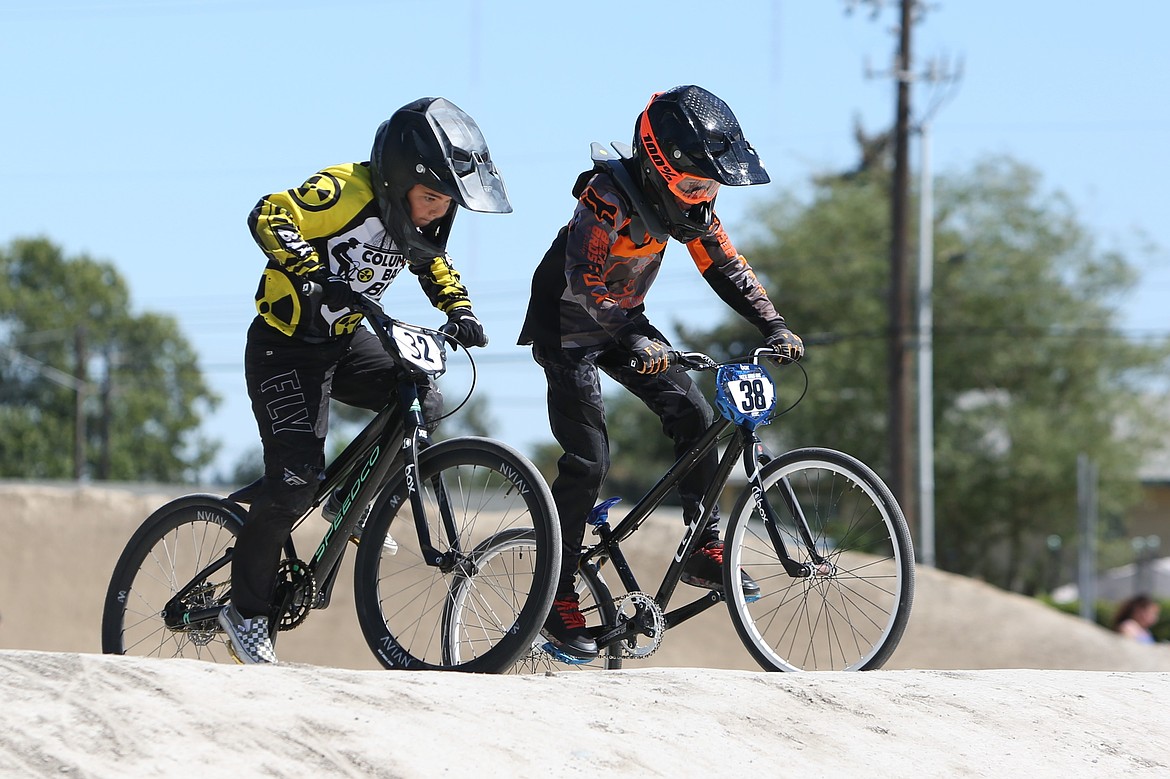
<point>593,281</point>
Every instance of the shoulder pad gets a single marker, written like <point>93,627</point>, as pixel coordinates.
<point>643,220</point>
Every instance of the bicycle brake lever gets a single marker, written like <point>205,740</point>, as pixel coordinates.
<point>449,330</point>
<point>695,361</point>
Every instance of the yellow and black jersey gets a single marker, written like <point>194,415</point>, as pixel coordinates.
<point>331,223</point>
<point>592,283</point>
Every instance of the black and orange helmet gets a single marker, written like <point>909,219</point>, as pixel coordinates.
<point>687,143</point>
<point>435,143</point>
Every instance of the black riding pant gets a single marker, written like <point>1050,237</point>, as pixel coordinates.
<point>290,382</point>
<point>577,418</point>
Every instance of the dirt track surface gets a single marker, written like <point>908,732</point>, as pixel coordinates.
<point>107,716</point>
<point>984,682</point>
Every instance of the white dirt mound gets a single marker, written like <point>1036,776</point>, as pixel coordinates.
<point>1062,697</point>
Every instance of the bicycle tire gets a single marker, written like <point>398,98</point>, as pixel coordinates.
<point>493,561</point>
<point>850,614</point>
<point>167,551</point>
<point>401,600</point>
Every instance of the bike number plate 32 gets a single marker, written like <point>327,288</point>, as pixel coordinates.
<point>745,394</point>
<point>418,348</point>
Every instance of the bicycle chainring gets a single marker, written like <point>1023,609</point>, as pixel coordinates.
<point>295,586</point>
<point>643,611</point>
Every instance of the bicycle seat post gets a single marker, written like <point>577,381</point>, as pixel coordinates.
<point>599,518</point>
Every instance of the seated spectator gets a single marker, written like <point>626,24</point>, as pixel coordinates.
<point>1136,616</point>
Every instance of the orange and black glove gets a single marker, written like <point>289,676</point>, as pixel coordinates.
<point>786,343</point>
<point>650,355</point>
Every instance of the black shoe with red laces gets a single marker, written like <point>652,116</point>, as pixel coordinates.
<point>565,629</point>
<point>704,569</point>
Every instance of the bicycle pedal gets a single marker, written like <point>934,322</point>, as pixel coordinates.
<point>389,545</point>
<point>561,657</point>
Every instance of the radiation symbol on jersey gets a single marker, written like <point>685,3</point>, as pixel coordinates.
<point>277,302</point>
<point>318,193</point>
<point>365,275</point>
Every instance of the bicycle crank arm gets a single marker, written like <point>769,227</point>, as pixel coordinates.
<point>606,638</point>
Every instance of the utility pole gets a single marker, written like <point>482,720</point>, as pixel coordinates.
<point>1087,527</point>
<point>925,543</point>
<point>107,391</point>
<point>900,362</point>
<point>79,403</point>
<point>904,339</point>
<point>935,73</point>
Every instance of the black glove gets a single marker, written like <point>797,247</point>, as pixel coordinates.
<point>468,328</point>
<point>333,291</point>
<point>650,355</point>
<point>786,343</point>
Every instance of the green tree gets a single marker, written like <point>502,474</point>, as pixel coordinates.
<point>1031,368</point>
<point>65,323</point>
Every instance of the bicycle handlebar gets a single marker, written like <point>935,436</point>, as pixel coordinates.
<point>698,361</point>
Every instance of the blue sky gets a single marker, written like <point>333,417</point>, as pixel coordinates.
<point>142,133</point>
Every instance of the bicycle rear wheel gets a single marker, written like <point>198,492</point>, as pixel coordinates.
<point>483,611</point>
<point>165,555</point>
<point>846,613</point>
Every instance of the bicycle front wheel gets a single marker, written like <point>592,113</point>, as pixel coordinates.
<point>491,515</point>
<point>496,560</point>
<point>181,548</point>
<point>846,602</point>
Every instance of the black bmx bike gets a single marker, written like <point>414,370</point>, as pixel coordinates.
<point>817,530</point>
<point>445,502</point>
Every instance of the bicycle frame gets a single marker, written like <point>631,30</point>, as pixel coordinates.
<point>361,469</point>
<point>743,443</point>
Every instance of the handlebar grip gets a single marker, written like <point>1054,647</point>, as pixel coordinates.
<point>361,303</point>
<point>672,358</point>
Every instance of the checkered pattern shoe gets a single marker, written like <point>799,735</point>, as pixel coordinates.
<point>248,641</point>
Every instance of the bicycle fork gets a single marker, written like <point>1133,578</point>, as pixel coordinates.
<point>416,435</point>
<point>755,456</point>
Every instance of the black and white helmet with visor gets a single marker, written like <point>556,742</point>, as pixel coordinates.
<point>432,142</point>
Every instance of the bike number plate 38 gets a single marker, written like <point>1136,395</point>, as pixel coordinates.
<point>745,393</point>
<point>419,349</point>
